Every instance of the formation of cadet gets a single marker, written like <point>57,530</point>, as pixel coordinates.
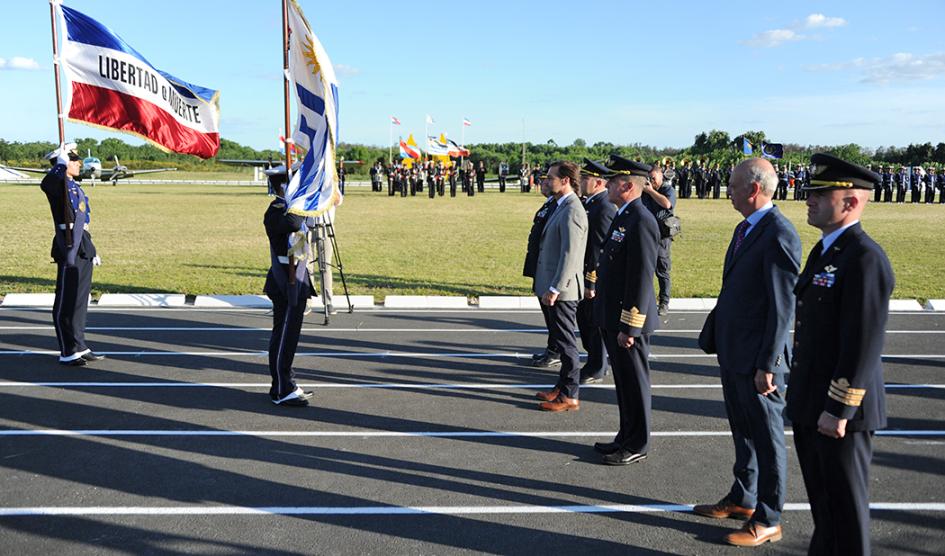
<point>895,182</point>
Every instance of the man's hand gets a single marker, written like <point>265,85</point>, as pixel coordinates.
<point>764,382</point>
<point>831,426</point>
<point>624,340</point>
<point>589,294</point>
<point>549,298</point>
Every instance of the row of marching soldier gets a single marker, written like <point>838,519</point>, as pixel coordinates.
<point>593,268</point>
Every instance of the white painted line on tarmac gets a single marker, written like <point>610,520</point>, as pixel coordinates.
<point>394,434</point>
<point>385,385</point>
<point>407,510</point>
<point>384,354</point>
<point>329,330</point>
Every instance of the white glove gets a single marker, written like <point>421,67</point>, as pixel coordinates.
<point>96,261</point>
<point>62,153</point>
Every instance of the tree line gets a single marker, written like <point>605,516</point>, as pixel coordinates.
<point>713,147</point>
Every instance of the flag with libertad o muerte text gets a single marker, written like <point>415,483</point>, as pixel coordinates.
<point>114,86</point>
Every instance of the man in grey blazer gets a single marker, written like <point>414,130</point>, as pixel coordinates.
<point>559,281</point>
<point>750,331</point>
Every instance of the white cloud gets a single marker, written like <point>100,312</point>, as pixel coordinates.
<point>820,20</point>
<point>18,63</point>
<point>773,38</point>
<point>776,37</point>
<point>902,66</point>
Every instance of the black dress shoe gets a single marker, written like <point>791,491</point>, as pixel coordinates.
<point>606,447</point>
<point>547,362</point>
<point>92,356</point>
<point>77,362</point>
<point>623,457</point>
<point>544,354</point>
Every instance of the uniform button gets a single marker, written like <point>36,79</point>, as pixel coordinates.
<point>800,303</point>
<point>797,324</point>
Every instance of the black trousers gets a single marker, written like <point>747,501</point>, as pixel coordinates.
<point>632,380</point>
<point>757,425</point>
<point>562,320</point>
<point>929,194</point>
<point>73,285</point>
<point>546,315</point>
<point>916,194</point>
<point>836,476</point>
<point>591,339</point>
<point>663,265</point>
<point>286,328</point>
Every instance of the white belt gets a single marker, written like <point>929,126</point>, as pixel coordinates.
<point>63,226</point>
<point>283,260</point>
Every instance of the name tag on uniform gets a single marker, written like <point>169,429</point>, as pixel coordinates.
<point>618,234</point>
<point>824,279</point>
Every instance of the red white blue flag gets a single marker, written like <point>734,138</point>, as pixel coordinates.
<point>114,86</point>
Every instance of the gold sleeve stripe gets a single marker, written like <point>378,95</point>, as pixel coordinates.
<point>852,401</point>
<point>591,276</point>
<point>843,386</point>
<point>633,318</point>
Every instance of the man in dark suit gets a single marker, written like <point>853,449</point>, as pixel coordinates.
<point>600,213</point>
<point>750,329</point>
<point>288,285</point>
<point>550,357</point>
<point>74,253</point>
<point>836,396</point>
<point>625,308</point>
<point>559,281</point>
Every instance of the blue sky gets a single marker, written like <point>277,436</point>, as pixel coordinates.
<point>626,72</point>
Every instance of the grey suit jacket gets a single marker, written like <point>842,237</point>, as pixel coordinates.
<point>750,326</point>
<point>561,254</point>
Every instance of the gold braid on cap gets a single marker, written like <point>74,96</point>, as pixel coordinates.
<point>826,183</point>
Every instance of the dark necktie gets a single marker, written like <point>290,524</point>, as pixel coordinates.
<point>740,234</point>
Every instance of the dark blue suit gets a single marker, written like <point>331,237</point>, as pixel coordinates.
<point>750,330</point>
<point>842,309</point>
<point>625,302</point>
<point>600,214</point>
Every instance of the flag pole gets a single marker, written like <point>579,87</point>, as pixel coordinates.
<point>55,49</point>
<point>285,88</point>
<point>462,141</point>
<point>390,143</point>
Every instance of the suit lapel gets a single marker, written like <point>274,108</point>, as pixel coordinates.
<point>732,256</point>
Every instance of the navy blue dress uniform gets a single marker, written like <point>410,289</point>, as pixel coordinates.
<point>941,185</point>
<point>289,286</point>
<point>75,256</point>
<point>929,180</point>
<point>842,308</point>
<point>901,179</point>
<point>915,186</point>
<point>625,302</point>
<point>531,265</point>
<point>887,184</point>
<point>600,214</point>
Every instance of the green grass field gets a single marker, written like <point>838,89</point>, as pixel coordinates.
<point>198,239</point>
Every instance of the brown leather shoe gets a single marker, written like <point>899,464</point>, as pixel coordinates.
<point>724,509</point>
<point>753,534</point>
<point>548,396</point>
<point>561,403</point>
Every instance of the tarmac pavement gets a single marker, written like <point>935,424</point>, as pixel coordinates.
<point>424,438</point>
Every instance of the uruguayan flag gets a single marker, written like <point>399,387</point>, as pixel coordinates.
<point>313,187</point>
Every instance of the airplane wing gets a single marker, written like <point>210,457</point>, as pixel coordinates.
<point>260,163</point>
<point>130,173</point>
<point>34,170</point>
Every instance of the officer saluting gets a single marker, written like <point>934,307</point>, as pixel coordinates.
<point>836,397</point>
<point>625,307</point>
<point>288,285</point>
<point>74,253</point>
